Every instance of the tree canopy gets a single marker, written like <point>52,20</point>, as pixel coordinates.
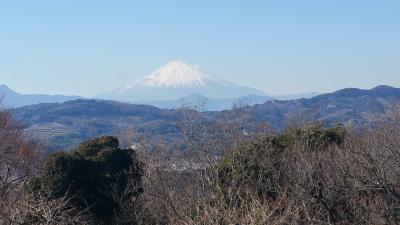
<point>96,174</point>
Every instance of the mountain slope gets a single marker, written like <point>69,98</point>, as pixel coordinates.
<point>207,103</point>
<point>94,117</point>
<point>13,99</point>
<point>176,80</point>
<point>350,106</point>
<point>221,104</point>
<point>91,118</point>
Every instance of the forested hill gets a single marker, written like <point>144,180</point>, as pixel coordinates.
<point>67,124</point>
<point>82,119</point>
<point>356,106</point>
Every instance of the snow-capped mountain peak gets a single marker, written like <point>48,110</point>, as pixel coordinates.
<point>176,74</point>
<point>176,80</point>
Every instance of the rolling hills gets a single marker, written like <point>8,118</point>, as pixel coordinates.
<point>89,118</point>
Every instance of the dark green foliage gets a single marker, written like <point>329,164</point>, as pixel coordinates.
<point>318,137</point>
<point>89,173</point>
<point>92,148</point>
<point>294,164</point>
<point>258,165</point>
<point>253,166</point>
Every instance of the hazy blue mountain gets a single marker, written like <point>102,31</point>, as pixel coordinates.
<point>177,80</point>
<point>208,104</point>
<point>12,99</point>
<point>350,106</point>
<point>221,104</point>
<point>296,96</point>
<point>168,86</point>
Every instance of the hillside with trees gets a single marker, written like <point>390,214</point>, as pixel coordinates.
<point>91,118</point>
<point>306,174</point>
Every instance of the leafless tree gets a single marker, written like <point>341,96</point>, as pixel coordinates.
<point>21,159</point>
<point>39,210</point>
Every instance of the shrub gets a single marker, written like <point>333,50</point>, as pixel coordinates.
<point>96,174</point>
<point>258,165</point>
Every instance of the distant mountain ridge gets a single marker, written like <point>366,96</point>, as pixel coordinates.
<point>13,99</point>
<point>211,104</point>
<point>166,88</point>
<point>98,117</point>
<point>177,81</point>
<point>207,103</point>
<point>378,91</point>
<point>221,104</point>
<point>350,106</point>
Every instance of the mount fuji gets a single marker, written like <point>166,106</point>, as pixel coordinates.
<point>176,80</point>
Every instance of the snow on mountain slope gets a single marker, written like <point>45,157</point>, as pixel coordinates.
<point>175,80</point>
<point>175,74</point>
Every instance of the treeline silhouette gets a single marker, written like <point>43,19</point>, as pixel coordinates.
<point>308,174</point>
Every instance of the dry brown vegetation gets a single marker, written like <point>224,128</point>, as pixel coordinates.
<point>307,175</point>
<point>21,159</point>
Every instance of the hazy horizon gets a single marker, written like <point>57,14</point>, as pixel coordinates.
<point>86,48</point>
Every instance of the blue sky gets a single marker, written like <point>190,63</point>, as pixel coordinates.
<point>87,47</point>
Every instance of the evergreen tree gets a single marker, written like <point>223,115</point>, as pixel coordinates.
<point>91,174</point>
